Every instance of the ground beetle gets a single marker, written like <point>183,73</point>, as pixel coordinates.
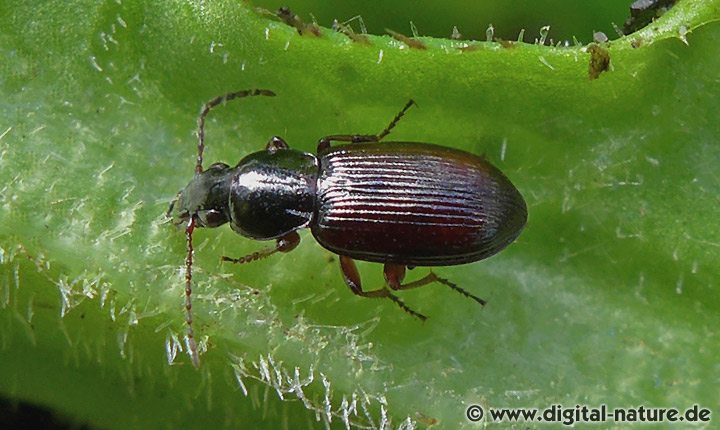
<point>403,204</point>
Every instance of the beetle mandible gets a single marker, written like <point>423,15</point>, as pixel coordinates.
<point>403,204</point>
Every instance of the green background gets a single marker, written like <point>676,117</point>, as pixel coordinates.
<point>609,296</point>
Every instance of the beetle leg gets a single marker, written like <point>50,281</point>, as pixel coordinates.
<point>276,143</point>
<point>352,279</point>
<point>284,244</point>
<point>324,143</point>
<point>395,120</point>
<point>395,273</point>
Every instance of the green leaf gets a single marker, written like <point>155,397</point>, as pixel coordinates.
<point>609,296</point>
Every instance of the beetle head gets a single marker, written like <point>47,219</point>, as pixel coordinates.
<point>204,199</point>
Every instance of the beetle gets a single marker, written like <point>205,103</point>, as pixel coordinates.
<point>403,204</point>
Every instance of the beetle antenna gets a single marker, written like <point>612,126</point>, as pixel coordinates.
<point>211,104</point>
<point>191,344</point>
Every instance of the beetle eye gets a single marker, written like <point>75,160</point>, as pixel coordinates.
<point>212,218</point>
<point>218,166</point>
